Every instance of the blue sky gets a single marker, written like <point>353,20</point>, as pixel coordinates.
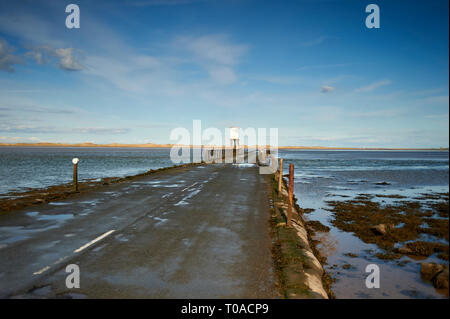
<point>137,69</point>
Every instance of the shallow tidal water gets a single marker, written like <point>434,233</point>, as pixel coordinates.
<point>39,167</point>
<point>322,176</point>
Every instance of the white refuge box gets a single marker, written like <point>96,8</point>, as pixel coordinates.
<point>234,136</point>
<point>234,133</point>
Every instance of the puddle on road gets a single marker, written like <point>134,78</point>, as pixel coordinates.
<point>98,248</point>
<point>157,184</point>
<point>244,165</point>
<point>50,244</point>
<point>149,182</point>
<point>112,194</point>
<point>59,203</point>
<point>169,185</point>
<point>159,220</point>
<point>92,202</point>
<point>121,238</point>
<point>32,214</point>
<point>187,242</point>
<point>57,217</point>
<point>183,201</point>
<point>14,234</point>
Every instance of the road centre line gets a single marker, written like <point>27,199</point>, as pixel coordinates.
<point>189,186</point>
<point>75,251</point>
<point>94,241</point>
<point>42,270</point>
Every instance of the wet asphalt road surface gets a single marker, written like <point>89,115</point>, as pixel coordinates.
<point>198,232</point>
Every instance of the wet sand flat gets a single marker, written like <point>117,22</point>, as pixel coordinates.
<point>409,183</point>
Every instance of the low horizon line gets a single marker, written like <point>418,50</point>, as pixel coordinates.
<point>167,145</point>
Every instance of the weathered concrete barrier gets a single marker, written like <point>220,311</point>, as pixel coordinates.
<point>299,270</point>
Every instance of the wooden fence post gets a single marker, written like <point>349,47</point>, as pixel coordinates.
<point>280,176</point>
<point>291,194</point>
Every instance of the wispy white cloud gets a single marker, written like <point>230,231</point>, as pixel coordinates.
<point>7,57</point>
<point>316,41</point>
<point>36,109</point>
<point>215,53</point>
<point>277,79</point>
<point>14,102</point>
<point>68,58</point>
<point>222,74</point>
<point>321,114</point>
<point>18,139</point>
<point>155,125</point>
<point>323,66</point>
<point>430,91</point>
<point>382,113</point>
<point>438,99</point>
<point>28,129</point>
<point>22,91</point>
<point>373,86</point>
<point>372,137</point>
<point>38,57</point>
<point>443,116</point>
<point>33,29</point>
<point>133,74</point>
<point>327,89</point>
<point>213,48</point>
<point>336,141</point>
<point>33,129</point>
<point>100,130</point>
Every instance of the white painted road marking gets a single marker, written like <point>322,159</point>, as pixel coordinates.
<point>42,270</point>
<point>94,241</point>
<point>75,251</point>
<point>48,267</point>
<point>189,186</point>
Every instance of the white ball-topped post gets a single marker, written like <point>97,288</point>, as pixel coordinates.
<point>75,174</point>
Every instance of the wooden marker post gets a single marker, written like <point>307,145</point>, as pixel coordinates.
<point>280,176</point>
<point>291,194</point>
<point>75,174</point>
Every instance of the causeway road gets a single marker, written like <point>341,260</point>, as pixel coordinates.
<point>191,232</point>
